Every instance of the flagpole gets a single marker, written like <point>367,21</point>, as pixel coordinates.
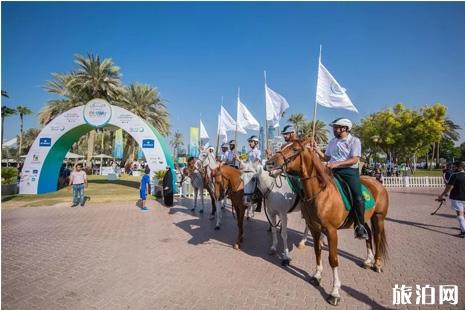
<point>266,121</point>
<point>200,135</point>
<point>314,110</point>
<point>218,133</point>
<point>237,118</point>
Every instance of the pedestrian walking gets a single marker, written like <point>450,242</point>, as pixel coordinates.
<point>168,187</point>
<point>77,180</point>
<point>456,187</point>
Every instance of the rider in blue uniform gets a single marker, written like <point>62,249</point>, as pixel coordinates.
<point>343,155</point>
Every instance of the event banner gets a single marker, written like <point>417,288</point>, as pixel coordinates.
<point>118,150</point>
<point>194,142</point>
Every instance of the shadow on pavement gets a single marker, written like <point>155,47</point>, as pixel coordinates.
<point>423,226</point>
<point>363,298</point>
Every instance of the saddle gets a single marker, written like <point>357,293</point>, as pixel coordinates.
<point>346,194</point>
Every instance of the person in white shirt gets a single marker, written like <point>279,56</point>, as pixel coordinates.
<point>224,152</point>
<point>343,155</point>
<point>77,180</point>
<point>232,156</point>
<point>254,154</point>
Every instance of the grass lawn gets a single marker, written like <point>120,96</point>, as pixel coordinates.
<point>100,190</point>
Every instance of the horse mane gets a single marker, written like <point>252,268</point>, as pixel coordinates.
<point>323,173</point>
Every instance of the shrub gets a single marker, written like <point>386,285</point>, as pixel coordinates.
<point>9,175</point>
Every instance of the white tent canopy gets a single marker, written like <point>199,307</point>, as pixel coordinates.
<point>70,155</point>
<point>102,156</point>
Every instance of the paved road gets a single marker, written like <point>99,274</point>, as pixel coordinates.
<point>117,257</point>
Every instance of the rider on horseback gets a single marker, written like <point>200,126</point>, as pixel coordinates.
<point>288,133</point>
<point>255,155</point>
<point>224,152</point>
<point>231,158</point>
<point>343,155</point>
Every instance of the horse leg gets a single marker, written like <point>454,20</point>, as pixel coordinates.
<point>301,244</point>
<point>201,200</point>
<point>274,234</point>
<point>370,260</point>
<point>196,191</point>
<point>317,246</point>
<point>377,222</point>
<point>240,211</point>
<point>286,259</point>
<point>218,220</point>
<point>334,297</point>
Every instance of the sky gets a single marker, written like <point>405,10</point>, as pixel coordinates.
<point>197,53</point>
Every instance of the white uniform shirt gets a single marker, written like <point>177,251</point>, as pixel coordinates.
<point>230,158</point>
<point>78,177</point>
<point>254,155</point>
<point>224,156</point>
<point>343,149</point>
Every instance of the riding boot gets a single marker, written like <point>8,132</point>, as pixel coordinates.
<point>359,211</point>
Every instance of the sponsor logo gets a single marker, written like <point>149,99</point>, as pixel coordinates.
<point>35,171</point>
<point>57,128</point>
<point>125,118</point>
<point>71,117</point>
<point>97,112</point>
<point>35,157</point>
<point>136,129</point>
<point>148,144</point>
<point>45,142</point>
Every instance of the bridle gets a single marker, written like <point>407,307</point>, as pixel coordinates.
<point>291,158</point>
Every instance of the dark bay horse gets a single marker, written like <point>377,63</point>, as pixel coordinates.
<point>325,212</point>
<point>227,181</point>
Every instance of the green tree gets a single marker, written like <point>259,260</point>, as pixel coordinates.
<point>93,78</point>
<point>176,142</point>
<point>448,150</point>
<point>144,101</point>
<point>321,133</point>
<point>462,151</point>
<point>22,111</point>
<point>6,112</point>
<point>29,136</point>
<point>298,121</point>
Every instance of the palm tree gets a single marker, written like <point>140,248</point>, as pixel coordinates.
<point>22,111</point>
<point>450,133</point>
<point>321,133</point>
<point>29,137</point>
<point>94,78</point>
<point>6,112</point>
<point>144,101</point>
<point>298,120</point>
<point>176,142</point>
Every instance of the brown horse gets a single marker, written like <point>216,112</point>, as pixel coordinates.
<point>325,212</point>
<point>227,181</point>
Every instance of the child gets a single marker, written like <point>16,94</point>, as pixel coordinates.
<point>144,188</point>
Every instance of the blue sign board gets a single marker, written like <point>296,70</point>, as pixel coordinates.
<point>45,142</point>
<point>148,143</point>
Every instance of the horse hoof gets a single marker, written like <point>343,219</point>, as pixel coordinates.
<point>285,262</point>
<point>217,227</point>
<point>315,281</point>
<point>301,245</point>
<point>333,300</point>
<point>236,246</point>
<point>272,252</point>
<point>367,266</point>
<point>377,269</point>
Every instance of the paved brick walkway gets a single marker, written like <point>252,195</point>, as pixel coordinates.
<point>116,257</point>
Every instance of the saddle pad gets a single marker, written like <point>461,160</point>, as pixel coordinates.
<point>296,185</point>
<point>367,196</point>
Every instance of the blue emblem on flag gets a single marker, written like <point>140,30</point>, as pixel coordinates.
<point>148,143</point>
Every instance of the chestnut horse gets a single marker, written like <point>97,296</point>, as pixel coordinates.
<point>325,212</point>
<point>227,181</point>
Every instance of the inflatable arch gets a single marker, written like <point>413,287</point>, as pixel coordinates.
<point>42,165</point>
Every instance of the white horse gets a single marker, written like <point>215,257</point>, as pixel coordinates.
<point>279,199</point>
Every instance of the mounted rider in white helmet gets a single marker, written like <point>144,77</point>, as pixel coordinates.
<point>343,155</point>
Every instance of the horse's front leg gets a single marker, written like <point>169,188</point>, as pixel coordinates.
<point>317,246</point>
<point>286,259</point>
<point>196,191</point>
<point>240,211</point>
<point>334,297</point>
<point>201,200</point>
<point>274,234</point>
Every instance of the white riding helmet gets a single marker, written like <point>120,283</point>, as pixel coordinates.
<point>253,138</point>
<point>342,122</point>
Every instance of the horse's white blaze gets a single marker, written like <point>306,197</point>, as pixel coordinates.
<point>336,283</point>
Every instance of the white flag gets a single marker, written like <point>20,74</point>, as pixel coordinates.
<point>225,136</point>
<point>245,119</point>
<point>329,93</point>
<point>203,131</point>
<point>226,122</point>
<point>275,106</point>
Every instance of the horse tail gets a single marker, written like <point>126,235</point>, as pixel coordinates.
<point>377,222</point>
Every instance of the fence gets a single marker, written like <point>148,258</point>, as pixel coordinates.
<point>413,182</point>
